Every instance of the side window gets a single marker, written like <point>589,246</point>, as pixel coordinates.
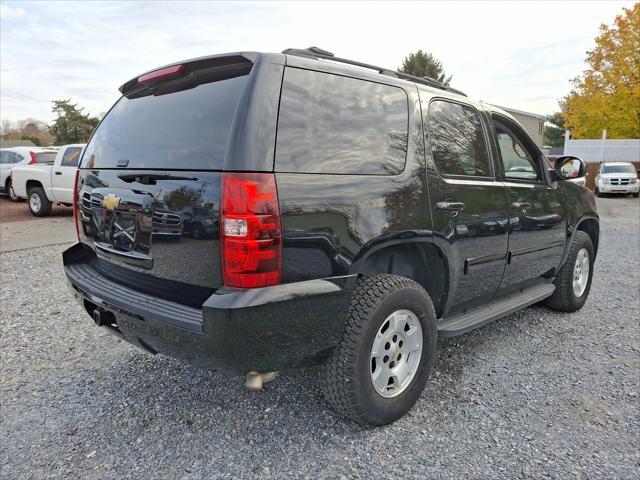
<point>9,158</point>
<point>71,157</point>
<point>518,161</point>
<point>341,125</point>
<point>457,140</point>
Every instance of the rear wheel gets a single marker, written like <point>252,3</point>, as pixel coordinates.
<point>573,282</point>
<point>379,369</point>
<point>39,204</point>
<point>12,195</point>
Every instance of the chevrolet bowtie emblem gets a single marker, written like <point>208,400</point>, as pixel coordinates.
<point>110,202</point>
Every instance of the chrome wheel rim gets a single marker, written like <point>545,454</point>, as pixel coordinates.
<point>581,272</point>
<point>395,353</point>
<point>34,202</point>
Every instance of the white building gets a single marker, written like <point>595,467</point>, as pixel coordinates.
<point>533,123</point>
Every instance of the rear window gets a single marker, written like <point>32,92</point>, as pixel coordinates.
<point>187,129</point>
<point>46,158</point>
<point>334,124</point>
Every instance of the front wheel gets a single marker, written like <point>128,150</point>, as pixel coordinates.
<point>573,281</point>
<point>378,371</point>
<point>39,204</point>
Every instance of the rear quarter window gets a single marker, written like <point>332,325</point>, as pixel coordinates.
<point>340,125</point>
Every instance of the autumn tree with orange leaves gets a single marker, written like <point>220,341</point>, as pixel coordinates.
<point>607,95</point>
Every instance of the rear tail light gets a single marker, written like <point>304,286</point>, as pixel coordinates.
<point>76,220</point>
<point>34,160</point>
<point>251,238</point>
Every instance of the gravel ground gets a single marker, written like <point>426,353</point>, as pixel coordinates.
<point>535,395</point>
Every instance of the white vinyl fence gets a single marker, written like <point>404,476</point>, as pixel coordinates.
<point>596,151</point>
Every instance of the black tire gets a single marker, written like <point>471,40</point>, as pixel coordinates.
<point>636,195</point>
<point>598,194</point>
<point>564,298</point>
<point>11,194</point>
<point>45,204</point>
<point>346,375</point>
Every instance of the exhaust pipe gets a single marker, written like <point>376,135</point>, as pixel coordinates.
<point>255,381</point>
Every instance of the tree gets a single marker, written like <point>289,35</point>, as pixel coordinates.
<point>71,125</point>
<point>423,64</point>
<point>28,129</point>
<point>607,95</point>
<point>554,130</point>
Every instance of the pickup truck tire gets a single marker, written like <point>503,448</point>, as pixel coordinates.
<point>39,204</point>
<point>347,375</point>
<point>571,294</point>
<point>12,195</point>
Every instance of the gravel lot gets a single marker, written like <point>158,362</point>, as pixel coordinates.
<point>535,395</point>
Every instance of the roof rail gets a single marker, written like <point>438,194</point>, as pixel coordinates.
<point>315,52</point>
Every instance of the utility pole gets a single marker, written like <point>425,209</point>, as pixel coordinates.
<point>602,145</point>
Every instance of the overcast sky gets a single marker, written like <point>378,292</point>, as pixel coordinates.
<point>516,54</point>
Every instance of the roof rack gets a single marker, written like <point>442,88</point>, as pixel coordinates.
<point>315,52</point>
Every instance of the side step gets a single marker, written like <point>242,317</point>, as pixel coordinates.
<point>481,316</point>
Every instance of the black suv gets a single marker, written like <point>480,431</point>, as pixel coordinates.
<point>359,213</point>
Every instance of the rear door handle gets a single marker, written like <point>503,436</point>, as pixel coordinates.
<point>58,173</point>
<point>450,208</point>
<point>521,205</point>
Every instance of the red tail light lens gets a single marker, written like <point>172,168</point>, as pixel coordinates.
<point>76,220</point>
<point>250,233</point>
<point>33,158</point>
<point>161,74</point>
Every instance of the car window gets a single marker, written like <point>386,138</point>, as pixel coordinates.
<point>45,158</point>
<point>457,140</point>
<point>618,169</point>
<point>71,157</point>
<point>7,158</point>
<point>341,125</point>
<point>517,160</point>
<point>187,129</point>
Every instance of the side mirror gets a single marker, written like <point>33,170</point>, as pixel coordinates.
<point>569,167</point>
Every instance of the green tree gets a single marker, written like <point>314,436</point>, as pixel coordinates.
<point>423,64</point>
<point>607,95</point>
<point>71,125</point>
<point>554,133</point>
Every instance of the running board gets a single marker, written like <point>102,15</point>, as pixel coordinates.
<point>481,316</point>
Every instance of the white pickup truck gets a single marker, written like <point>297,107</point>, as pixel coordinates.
<point>44,185</point>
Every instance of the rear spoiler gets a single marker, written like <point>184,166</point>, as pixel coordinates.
<point>188,74</point>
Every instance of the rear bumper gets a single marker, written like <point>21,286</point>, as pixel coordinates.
<point>236,331</point>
